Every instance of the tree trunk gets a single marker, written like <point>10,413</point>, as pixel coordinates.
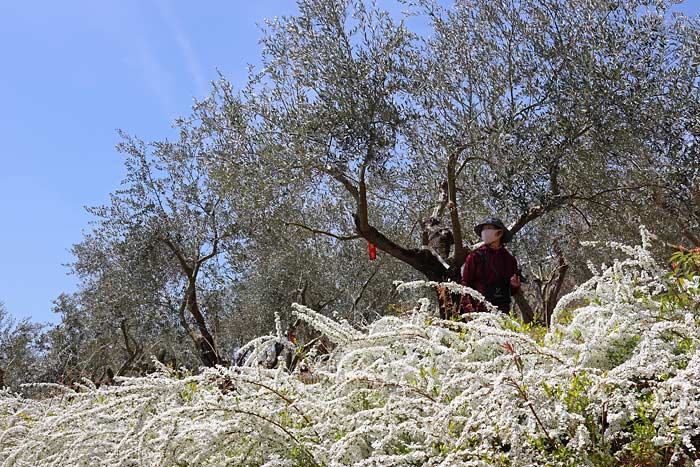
<point>527,314</point>
<point>553,289</point>
<point>205,345</point>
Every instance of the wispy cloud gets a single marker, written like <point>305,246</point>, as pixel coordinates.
<point>185,46</point>
<point>125,24</point>
<point>157,78</point>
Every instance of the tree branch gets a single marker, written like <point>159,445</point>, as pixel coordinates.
<point>181,259</point>
<point>471,159</point>
<point>439,210</point>
<point>183,321</point>
<point>362,214</point>
<point>362,290</point>
<point>205,258</point>
<point>420,259</point>
<point>125,333</point>
<point>536,212</point>
<point>344,180</point>
<point>529,215</point>
<point>323,232</point>
<point>460,253</point>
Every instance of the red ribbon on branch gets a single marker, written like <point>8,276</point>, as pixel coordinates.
<point>372,250</point>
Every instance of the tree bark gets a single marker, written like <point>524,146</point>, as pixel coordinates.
<point>553,288</point>
<point>527,314</point>
<point>132,352</point>
<point>460,254</point>
<point>205,345</point>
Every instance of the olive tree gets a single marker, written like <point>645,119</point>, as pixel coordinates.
<point>571,119</point>
<point>550,109</point>
<point>21,350</point>
<point>154,251</point>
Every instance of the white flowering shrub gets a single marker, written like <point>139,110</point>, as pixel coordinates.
<point>615,381</point>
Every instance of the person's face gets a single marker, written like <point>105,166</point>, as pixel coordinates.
<point>498,233</point>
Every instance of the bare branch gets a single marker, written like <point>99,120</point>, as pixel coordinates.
<point>362,289</point>
<point>344,180</point>
<point>439,210</point>
<point>460,252</point>
<point>472,159</point>
<point>323,232</point>
<point>178,254</point>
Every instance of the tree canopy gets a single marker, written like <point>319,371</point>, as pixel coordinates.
<point>400,126</point>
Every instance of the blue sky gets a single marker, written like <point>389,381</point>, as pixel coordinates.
<point>72,73</point>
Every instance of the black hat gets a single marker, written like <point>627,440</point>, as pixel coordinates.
<point>507,236</point>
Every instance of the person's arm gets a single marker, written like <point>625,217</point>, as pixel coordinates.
<point>468,272</point>
<point>515,278</point>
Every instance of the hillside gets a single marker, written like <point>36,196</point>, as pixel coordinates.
<point>614,381</point>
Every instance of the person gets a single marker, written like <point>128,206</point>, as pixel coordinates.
<point>491,269</point>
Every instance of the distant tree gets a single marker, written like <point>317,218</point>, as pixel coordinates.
<point>122,313</point>
<point>20,350</point>
<point>151,252</point>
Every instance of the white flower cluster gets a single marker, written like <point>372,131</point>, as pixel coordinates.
<point>615,381</point>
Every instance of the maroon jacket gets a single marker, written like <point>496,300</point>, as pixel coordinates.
<point>489,271</point>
